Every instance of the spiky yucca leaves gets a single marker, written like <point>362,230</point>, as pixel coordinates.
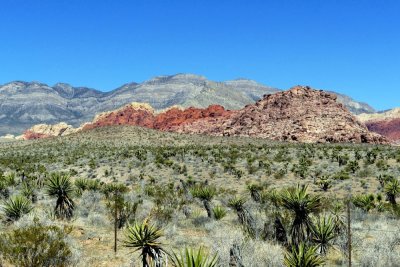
<point>83,184</point>
<point>110,190</point>
<point>364,202</point>
<point>59,186</point>
<point>28,191</point>
<point>303,256</point>
<point>338,217</point>
<point>219,212</point>
<point>392,189</point>
<point>302,205</point>
<point>191,258</point>
<point>15,208</point>
<point>205,194</point>
<point>323,232</point>
<point>144,237</point>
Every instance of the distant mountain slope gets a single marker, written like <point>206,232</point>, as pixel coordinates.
<point>24,104</point>
<point>352,105</point>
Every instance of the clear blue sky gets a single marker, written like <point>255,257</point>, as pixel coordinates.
<point>350,46</point>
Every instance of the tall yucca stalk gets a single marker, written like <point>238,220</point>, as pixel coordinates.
<point>303,256</point>
<point>16,207</point>
<point>191,258</point>
<point>302,205</point>
<point>144,237</point>
<point>60,186</point>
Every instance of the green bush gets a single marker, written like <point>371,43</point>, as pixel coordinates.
<point>36,245</point>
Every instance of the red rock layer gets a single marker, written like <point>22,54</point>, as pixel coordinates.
<point>128,115</point>
<point>169,120</point>
<point>389,128</point>
<point>300,115</point>
<point>30,135</point>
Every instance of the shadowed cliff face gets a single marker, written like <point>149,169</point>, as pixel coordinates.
<point>24,104</point>
<point>298,115</point>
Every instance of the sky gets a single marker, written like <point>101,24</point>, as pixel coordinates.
<point>348,46</point>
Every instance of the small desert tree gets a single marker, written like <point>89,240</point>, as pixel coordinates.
<point>145,237</point>
<point>301,205</point>
<point>205,194</point>
<point>59,186</point>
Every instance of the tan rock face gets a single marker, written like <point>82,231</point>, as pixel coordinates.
<point>299,115</point>
<point>45,130</point>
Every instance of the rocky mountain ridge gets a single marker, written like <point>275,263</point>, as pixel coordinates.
<point>298,115</point>
<point>24,104</point>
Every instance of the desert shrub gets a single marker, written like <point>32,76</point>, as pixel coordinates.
<point>36,245</point>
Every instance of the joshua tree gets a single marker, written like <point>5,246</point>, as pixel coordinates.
<point>302,205</point>
<point>60,186</point>
<point>392,189</point>
<point>192,258</point>
<point>255,192</point>
<point>145,237</point>
<point>15,208</point>
<point>205,194</point>
<point>303,256</point>
<point>244,216</point>
<point>323,232</point>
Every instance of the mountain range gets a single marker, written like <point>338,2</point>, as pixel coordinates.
<point>24,104</point>
<point>300,114</point>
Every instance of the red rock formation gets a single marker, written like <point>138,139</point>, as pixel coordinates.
<point>128,115</point>
<point>30,135</point>
<point>175,118</point>
<point>300,114</point>
<point>144,116</point>
<point>389,128</point>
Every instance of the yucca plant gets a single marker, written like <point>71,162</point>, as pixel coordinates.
<point>205,194</point>
<point>364,202</point>
<point>303,256</point>
<point>145,237</point>
<point>338,217</point>
<point>255,190</point>
<point>392,189</point>
<point>191,258</point>
<point>219,212</point>
<point>15,208</point>
<point>323,232</point>
<point>302,205</point>
<point>59,186</point>
<point>244,216</point>
<point>28,191</point>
